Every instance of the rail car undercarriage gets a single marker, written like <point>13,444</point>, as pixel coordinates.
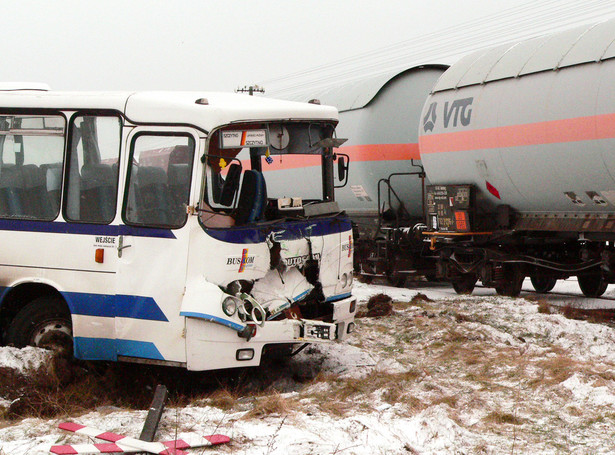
<point>395,254</point>
<point>505,263</point>
<point>501,248</point>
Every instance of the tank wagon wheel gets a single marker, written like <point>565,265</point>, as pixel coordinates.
<point>364,276</point>
<point>43,323</point>
<point>465,283</point>
<point>592,285</point>
<point>395,280</point>
<point>511,285</point>
<point>366,279</point>
<point>543,284</point>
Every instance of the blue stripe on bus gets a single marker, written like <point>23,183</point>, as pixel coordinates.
<point>95,348</point>
<point>300,296</point>
<point>335,298</point>
<point>143,349</point>
<point>136,307</point>
<point>109,306</point>
<point>212,318</point>
<point>83,229</point>
<point>108,349</point>
<point>292,230</point>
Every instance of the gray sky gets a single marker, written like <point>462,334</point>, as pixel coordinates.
<point>207,45</point>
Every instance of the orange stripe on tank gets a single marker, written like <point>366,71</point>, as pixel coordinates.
<point>382,152</point>
<point>550,132</point>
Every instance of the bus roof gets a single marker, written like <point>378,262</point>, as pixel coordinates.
<point>206,110</point>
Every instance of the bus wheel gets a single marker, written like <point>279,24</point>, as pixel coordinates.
<point>543,284</point>
<point>465,283</point>
<point>592,285</point>
<point>43,323</point>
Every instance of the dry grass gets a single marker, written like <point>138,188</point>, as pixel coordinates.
<point>343,393</point>
<point>503,418</point>
<point>420,298</point>
<point>449,400</point>
<point>335,408</point>
<point>595,316</point>
<point>555,370</point>
<point>223,399</point>
<point>418,301</point>
<point>272,404</point>
<point>70,388</point>
<point>544,307</point>
<point>572,312</point>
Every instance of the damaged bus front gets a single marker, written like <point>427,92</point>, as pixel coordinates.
<point>184,229</point>
<point>271,265</point>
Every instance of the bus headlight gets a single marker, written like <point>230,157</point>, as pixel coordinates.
<point>229,306</point>
<point>344,280</point>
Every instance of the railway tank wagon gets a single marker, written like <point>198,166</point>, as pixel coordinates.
<point>384,192</point>
<point>518,142</point>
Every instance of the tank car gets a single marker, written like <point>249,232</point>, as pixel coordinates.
<point>384,192</point>
<point>518,142</point>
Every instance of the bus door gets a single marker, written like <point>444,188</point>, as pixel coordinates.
<point>153,244</point>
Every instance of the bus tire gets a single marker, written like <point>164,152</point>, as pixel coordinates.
<point>45,323</point>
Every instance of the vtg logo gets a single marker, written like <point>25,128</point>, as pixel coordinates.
<point>459,111</point>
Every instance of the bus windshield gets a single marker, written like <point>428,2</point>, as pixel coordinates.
<point>264,172</point>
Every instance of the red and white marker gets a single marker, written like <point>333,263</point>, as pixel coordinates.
<point>119,443</point>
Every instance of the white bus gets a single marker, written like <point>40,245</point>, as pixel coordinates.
<point>186,229</point>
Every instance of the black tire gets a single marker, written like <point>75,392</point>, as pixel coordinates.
<point>397,281</point>
<point>367,279</point>
<point>512,284</point>
<point>464,284</point>
<point>45,323</point>
<point>592,285</point>
<point>543,284</point>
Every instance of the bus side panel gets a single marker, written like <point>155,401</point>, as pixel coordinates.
<point>150,286</point>
<point>63,257</point>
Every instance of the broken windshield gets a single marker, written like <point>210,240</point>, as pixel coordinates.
<point>264,172</point>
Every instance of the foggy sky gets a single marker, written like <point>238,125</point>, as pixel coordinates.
<point>206,45</point>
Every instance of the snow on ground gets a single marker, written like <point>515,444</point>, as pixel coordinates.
<point>444,374</point>
<point>23,359</point>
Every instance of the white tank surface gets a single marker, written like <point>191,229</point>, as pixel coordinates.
<point>531,125</point>
<point>378,117</point>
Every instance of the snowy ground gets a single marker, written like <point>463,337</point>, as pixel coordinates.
<point>479,374</point>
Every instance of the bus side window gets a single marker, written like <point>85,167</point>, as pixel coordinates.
<point>29,146</point>
<point>92,168</point>
<point>159,180</point>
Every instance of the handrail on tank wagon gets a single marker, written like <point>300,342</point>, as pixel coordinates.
<point>391,192</point>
